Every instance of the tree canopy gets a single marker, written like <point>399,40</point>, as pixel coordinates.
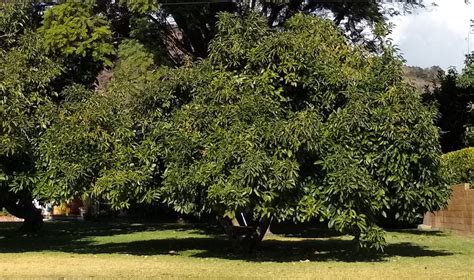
<point>286,125</point>
<point>73,29</point>
<point>286,117</point>
<point>185,28</point>
<point>302,125</point>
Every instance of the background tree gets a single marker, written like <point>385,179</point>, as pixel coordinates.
<point>466,82</point>
<point>454,97</point>
<point>81,39</point>
<point>196,22</point>
<point>186,28</point>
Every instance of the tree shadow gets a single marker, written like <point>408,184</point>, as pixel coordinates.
<point>314,229</point>
<point>70,236</point>
<point>101,228</point>
<point>76,238</point>
<point>419,232</point>
<point>323,250</point>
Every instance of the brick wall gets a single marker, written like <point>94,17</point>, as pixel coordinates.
<point>459,216</point>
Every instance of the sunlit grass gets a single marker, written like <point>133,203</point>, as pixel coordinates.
<point>124,250</point>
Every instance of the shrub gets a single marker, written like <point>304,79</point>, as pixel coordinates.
<point>458,166</point>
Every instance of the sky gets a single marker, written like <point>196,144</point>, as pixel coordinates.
<point>436,35</point>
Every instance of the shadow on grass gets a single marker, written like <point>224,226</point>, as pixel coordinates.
<point>205,242</point>
<point>419,232</point>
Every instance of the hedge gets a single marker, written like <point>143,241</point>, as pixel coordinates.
<point>458,166</point>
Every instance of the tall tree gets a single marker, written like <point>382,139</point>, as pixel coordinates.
<point>186,27</point>
<point>454,97</point>
<point>196,22</point>
<point>79,38</point>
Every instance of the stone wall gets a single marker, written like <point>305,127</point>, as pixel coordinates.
<point>459,216</point>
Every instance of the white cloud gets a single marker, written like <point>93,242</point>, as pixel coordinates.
<point>435,36</point>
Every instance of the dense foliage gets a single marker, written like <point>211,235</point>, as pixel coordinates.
<point>108,144</point>
<point>91,146</point>
<point>294,123</point>
<point>26,73</point>
<point>466,82</point>
<point>70,24</point>
<point>455,98</point>
<point>72,28</point>
<point>298,125</point>
<point>459,166</point>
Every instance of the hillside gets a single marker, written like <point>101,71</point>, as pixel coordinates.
<point>422,77</point>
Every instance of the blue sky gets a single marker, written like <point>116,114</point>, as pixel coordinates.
<point>436,35</point>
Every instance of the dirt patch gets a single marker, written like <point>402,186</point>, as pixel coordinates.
<point>9,219</point>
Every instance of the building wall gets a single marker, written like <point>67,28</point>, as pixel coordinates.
<point>459,216</point>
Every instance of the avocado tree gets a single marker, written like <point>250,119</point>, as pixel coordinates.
<point>289,123</point>
<point>108,143</point>
<point>298,124</point>
<point>26,108</point>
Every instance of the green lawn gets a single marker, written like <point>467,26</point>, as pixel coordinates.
<point>123,250</point>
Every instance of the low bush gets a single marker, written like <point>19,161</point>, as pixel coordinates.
<point>458,166</point>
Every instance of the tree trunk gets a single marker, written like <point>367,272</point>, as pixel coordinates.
<point>23,208</point>
<point>247,237</point>
<point>356,242</point>
<point>198,25</point>
<point>253,240</point>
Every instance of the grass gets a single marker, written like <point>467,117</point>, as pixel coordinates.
<point>81,250</point>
